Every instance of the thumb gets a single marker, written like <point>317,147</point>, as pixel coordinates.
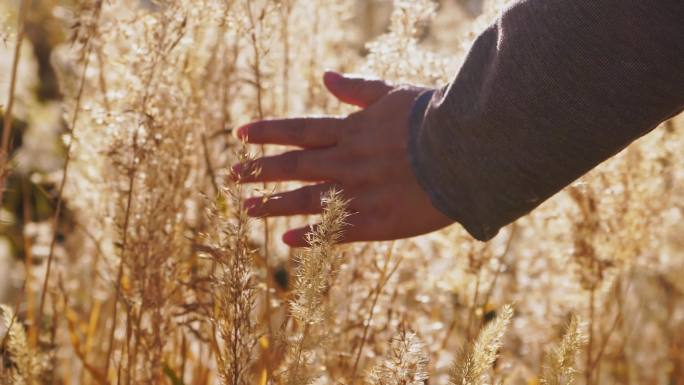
<point>357,91</point>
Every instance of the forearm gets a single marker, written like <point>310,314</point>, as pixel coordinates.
<point>546,94</point>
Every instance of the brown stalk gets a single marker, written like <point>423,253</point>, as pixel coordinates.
<point>618,319</point>
<point>490,289</point>
<point>28,265</point>
<point>72,325</point>
<point>385,276</point>
<point>473,307</point>
<point>589,370</point>
<point>124,241</point>
<point>256,67</point>
<point>65,170</point>
<point>7,122</point>
<point>312,59</point>
<point>55,220</point>
<point>119,275</point>
<point>499,260</point>
<point>300,348</point>
<point>102,80</point>
<point>93,320</point>
<point>287,10</point>
<point>210,167</point>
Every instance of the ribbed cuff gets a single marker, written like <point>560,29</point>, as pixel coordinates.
<point>425,176</point>
<point>416,119</point>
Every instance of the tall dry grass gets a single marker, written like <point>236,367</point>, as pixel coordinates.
<point>162,279</point>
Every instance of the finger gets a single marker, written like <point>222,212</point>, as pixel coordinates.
<point>355,230</point>
<point>303,201</point>
<point>357,91</point>
<point>301,132</point>
<point>372,218</point>
<point>297,237</point>
<point>304,165</point>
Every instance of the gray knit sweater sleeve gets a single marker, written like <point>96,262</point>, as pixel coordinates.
<point>551,90</point>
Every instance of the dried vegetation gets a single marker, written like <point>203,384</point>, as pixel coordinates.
<point>160,277</point>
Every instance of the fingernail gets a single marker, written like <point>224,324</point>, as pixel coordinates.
<point>242,132</point>
<point>290,237</point>
<point>332,77</point>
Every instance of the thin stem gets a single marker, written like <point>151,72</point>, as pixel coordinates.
<point>65,170</point>
<point>7,123</point>
<point>210,167</point>
<point>507,248</point>
<point>300,349</point>
<point>129,198</point>
<point>102,80</point>
<point>260,114</point>
<point>589,369</point>
<point>312,59</point>
<point>384,278</point>
<point>618,319</point>
<point>287,10</point>
<point>119,275</point>
<point>490,289</point>
<point>28,265</point>
<point>473,307</point>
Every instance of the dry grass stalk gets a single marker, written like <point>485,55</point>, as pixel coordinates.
<point>406,363</point>
<point>318,264</point>
<point>560,362</point>
<point>258,27</point>
<point>478,357</point>
<point>385,274</point>
<point>234,282</point>
<point>92,9</point>
<point>20,364</point>
<point>168,82</point>
<point>7,113</point>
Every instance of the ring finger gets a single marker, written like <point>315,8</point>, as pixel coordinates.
<point>304,165</point>
<point>302,201</point>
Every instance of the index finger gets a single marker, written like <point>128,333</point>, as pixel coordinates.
<point>300,132</point>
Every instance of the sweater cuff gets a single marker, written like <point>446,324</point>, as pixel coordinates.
<point>416,119</point>
<point>425,166</point>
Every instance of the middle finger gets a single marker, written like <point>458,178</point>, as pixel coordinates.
<point>303,165</point>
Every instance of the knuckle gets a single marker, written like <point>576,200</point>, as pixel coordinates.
<point>362,151</point>
<point>354,119</point>
<point>343,166</point>
<point>335,129</point>
<point>354,128</point>
<point>350,151</point>
<point>357,181</point>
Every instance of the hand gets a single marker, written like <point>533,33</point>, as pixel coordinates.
<point>364,154</point>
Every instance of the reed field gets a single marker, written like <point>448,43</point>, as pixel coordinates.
<point>127,257</point>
